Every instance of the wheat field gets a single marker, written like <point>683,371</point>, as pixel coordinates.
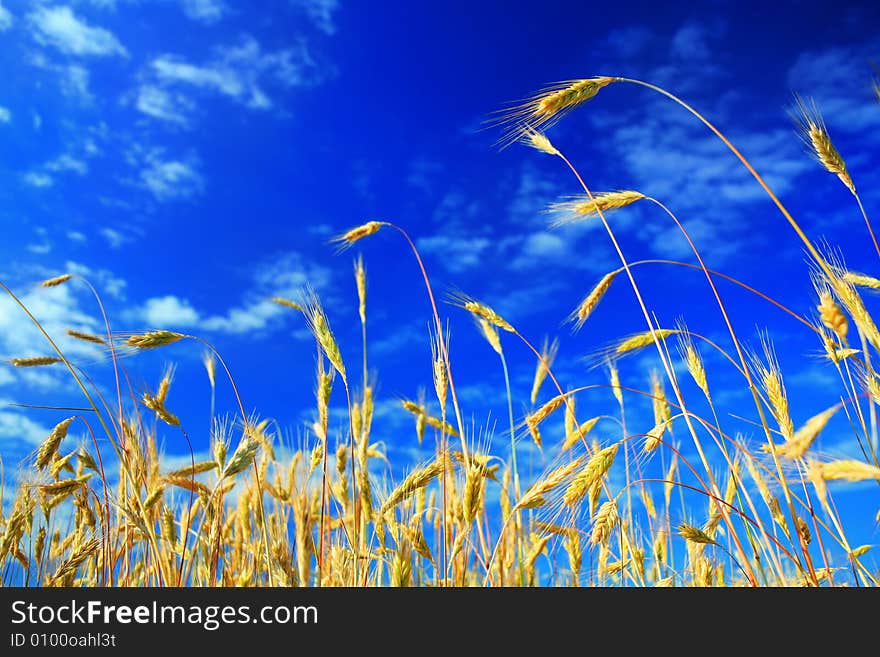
<point>684,500</point>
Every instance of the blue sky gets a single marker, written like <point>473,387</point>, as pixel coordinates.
<point>193,157</point>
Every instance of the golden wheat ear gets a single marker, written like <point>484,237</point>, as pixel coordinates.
<point>153,339</point>
<point>580,207</point>
<point>814,133</point>
<point>545,108</point>
<point>582,313</point>
<point>348,238</point>
<point>480,311</point>
<point>34,361</point>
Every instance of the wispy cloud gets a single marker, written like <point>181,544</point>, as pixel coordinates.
<point>37,179</point>
<point>15,426</point>
<point>68,306</point>
<point>114,238</point>
<point>73,79</point>
<point>5,18</point>
<point>58,309</point>
<point>81,147</point>
<point>321,12</point>
<point>162,104</point>
<point>170,179</point>
<point>60,28</point>
<point>243,72</point>
<point>205,11</point>
<point>839,79</point>
<point>5,115</point>
<point>40,249</point>
<point>285,275</point>
<point>457,253</point>
<point>67,162</point>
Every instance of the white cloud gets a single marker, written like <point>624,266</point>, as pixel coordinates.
<point>72,78</point>
<point>321,12</point>
<point>67,162</point>
<point>161,104</point>
<point>5,115</point>
<point>169,312</point>
<point>115,239</point>
<point>171,68</point>
<point>68,306</point>
<point>252,317</point>
<point>57,309</point>
<point>76,236</point>
<point>839,80</point>
<point>15,426</point>
<point>40,249</point>
<point>106,4</point>
<point>37,179</point>
<point>60,28</point>
<point>75,82</point>
<point>242,72</point>
<point>105,281</point>
<point>204,11</point>
<point>172,179</point>
<point>5,18</point>
<point>538,248</point>
<point>284,275</point>
<point>457,253</point>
